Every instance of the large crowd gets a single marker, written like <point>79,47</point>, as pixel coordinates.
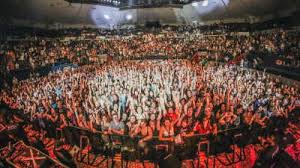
<point>164,99</point>
<point>275,47</point>
<point>170,99</point>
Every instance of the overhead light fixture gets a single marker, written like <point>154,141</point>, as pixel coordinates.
<point>116,2</point>
<point>128,16</point>
<point>195,4</point>
<point>205,3</point>
<point>106,17</point>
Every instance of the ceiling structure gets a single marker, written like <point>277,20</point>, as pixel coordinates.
<point>132,4</point>
<point>203,11</point>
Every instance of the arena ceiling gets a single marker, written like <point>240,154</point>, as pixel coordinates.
<point>60,11</point>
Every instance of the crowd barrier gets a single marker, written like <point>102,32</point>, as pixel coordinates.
<point>87,132</point>
<point>24,74</point>
<point>151,57</point>
<point>284,72</point>
<point>269,63</point>
<point>212,145</point>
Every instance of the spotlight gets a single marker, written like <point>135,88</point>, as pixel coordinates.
<point>205,3</point>
<point>128,16</point>
<point>195,4</point>
<point>116,2</point>
<point>106,17</point>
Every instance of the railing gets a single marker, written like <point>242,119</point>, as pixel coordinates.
<point>86,131</point>
<point>130,150</point>
<point>153,57</point>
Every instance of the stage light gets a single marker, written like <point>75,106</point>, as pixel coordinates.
<point>128,16</point>
<point>195,4</point>
<point>205,3</point>
<point>115,2</point>
<point>106,16</point>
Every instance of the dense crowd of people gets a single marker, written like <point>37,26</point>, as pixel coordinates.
<point>278,46</point>
<point>166,100</point>
<point>170,99</point>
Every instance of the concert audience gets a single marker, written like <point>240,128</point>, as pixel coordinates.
<point>176,92</point>
<point>171,100</point>
<point>280,45</point>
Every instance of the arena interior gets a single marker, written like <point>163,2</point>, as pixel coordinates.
<point>149,83</point>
